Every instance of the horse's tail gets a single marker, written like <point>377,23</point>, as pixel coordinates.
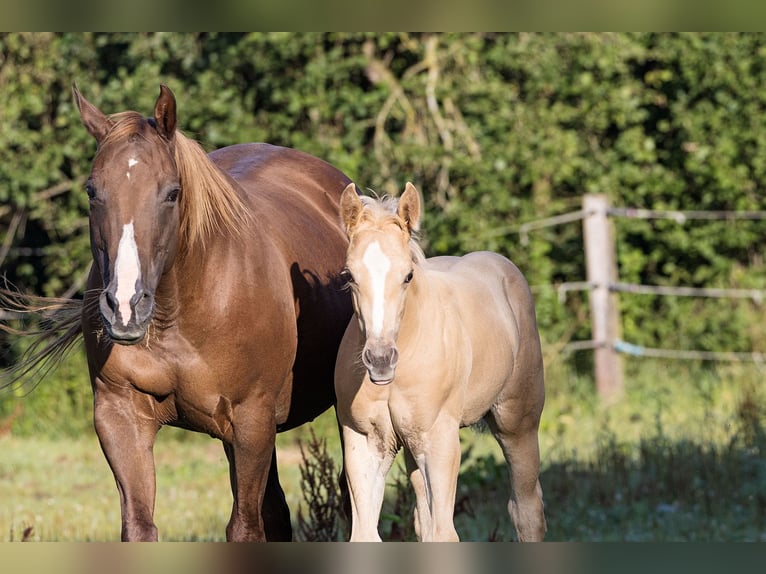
<point>51,325</point>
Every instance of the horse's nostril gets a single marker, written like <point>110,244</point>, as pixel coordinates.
<point>380,357</point>
<point>394,359</point>
<point>109,301</point>
<point>143,305</point>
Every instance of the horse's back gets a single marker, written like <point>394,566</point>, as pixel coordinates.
<point>294,198</point>
<point>481,272</point>
<point>261,167</point>
<point>496,309</point>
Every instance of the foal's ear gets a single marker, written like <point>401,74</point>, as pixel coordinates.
<point>350,207</point>
<point>97,124</point>
<point>165,113</point>
<point>408,208</point>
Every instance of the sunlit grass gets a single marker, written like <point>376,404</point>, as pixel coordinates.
<point>679,458</point>
<point>64,490</point>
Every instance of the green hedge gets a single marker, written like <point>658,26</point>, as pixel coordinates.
<point>494,129</point>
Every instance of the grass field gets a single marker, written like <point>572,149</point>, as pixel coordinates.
<point>679,458</point>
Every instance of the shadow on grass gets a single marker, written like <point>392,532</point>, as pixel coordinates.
<point>655,490</point>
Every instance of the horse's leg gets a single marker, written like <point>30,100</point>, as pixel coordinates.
<point>522,453</point>
<point>250,458</point>
<point>366,470</point>
<point>126,428</point>
<point>440,465</point>
<point>422,514</point>
<point>275,512</point>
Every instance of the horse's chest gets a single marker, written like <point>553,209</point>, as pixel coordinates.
<point>139,369</point>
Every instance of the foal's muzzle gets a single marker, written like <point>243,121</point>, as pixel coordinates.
<point>381,360</point>
<point>126,330</point>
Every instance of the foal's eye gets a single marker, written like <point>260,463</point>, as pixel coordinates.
<point>172,195</point>
<point>346,277</point>
<point>408,278</point>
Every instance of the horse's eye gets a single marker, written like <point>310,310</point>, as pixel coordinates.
<point>90,189</point>
<point>172,195</point>
<point>408,278</point>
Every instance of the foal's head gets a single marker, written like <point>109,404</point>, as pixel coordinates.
<point>381,264</point>
<point>133,191</point>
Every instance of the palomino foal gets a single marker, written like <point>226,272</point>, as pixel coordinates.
<point>437,344</point>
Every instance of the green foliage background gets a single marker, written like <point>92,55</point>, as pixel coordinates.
<point>494,129</point>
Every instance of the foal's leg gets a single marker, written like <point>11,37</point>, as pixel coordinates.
<point>345,495</point>
<point>126,428</point>
<point>439,463</point>
<point>522,454</point>
<point>367,465</point>
<point>422,514</point>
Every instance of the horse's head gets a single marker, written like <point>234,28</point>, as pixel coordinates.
<point>133,190</point>
<point>380,264</point>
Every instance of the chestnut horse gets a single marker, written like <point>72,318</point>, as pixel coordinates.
<point>213,304</point>
<point>437,344</point>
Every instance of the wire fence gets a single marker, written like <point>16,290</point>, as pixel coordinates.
<point>757,296</point>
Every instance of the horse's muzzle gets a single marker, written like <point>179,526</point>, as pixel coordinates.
<point>381,360</point>
<point>134,329</point>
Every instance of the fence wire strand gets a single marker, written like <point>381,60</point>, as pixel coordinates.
<point>684,216</point>
<point>681,217</point>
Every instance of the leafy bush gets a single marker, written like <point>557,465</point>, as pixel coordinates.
<point>495,130</point>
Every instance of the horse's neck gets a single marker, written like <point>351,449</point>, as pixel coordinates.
<point>166,299</point>
<point>225,261</point>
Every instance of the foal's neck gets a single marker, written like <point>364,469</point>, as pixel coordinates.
<point>418,307</point>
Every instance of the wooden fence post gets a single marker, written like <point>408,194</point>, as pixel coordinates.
<point>601,270</point>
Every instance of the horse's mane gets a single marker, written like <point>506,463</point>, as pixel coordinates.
<point>380,211</point>
<point>209,203</point>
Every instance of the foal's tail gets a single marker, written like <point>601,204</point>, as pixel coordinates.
<point>51,325</point>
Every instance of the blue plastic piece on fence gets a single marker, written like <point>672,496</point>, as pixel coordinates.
<point>629,348</point>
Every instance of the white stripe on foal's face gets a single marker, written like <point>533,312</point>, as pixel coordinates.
<point>378,265</point>
<point>127,271</point>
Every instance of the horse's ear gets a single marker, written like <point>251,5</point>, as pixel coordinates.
<point>408,208</point>
<point>97,124</point>
<point>165,113</point>
<point>350,207</point>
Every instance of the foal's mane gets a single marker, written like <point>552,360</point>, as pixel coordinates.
<point>381,211</point>
<point>209,203</point>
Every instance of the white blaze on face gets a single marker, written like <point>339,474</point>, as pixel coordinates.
<point>378,265</point>
<point>131,162</point>
<point>127,270</point>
